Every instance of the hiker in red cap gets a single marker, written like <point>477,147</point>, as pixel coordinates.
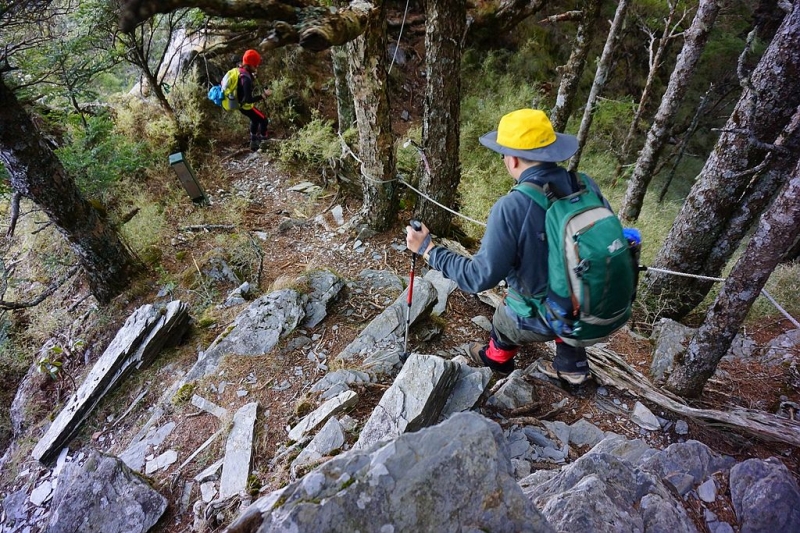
<point>514,247</point>
<point>244,94</point>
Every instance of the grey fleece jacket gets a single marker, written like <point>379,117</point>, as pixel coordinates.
<point>513,247</point>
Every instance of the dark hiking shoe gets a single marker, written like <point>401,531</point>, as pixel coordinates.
<point>255,145</point>
<point>575,376</point>
<point>476,354</point>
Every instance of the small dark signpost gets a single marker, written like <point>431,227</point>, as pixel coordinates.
<point>187,178</point>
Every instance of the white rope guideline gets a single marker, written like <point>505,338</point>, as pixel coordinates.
<point>654,269</point>
<point>767,295</point>
<point>465,217</point>
<point>397,46</point>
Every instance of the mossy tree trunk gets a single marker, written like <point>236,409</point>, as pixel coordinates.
<point>757,147</point>
<point>571,72</point>
<point>695,40</point>
<point>603,70</point>
<point>37,174</point>
<point>368,84</point>
<point>440,128</point>
<point>777,232</point>
<point>345,112</point>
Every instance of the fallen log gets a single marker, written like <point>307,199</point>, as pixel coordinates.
<point>610,369</point>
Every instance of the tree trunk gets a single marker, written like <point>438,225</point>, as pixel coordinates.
<point>644,101</point>
<point>599,80</point>
<point>440,127</point>
<point>764,117</point>
<point>778,230</point>
<point>38,175</point>
<point>345,112</point>
<point>368,84</point>
<point>694,43</point>
<point>571,72</point>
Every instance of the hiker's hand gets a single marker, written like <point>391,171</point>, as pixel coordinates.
<point>414,239</point>
<point>267,93</point>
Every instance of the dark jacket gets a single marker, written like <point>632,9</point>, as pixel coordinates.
<point>514,246</point>
<point>244,91</point>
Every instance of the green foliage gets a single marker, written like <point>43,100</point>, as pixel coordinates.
<point>184,394</point>
<point>287,72</point>
<point>146,122</point>
<point>784,286</point>
<point>189,101</point>
<point>483,177</point>
<point>71,50</point>
<point>408,156</point>
<point>98,157</point>
<point>281,107</point>
<point>145,231</point>
<point>610,124</point>
<point>5,180</point>
<point>314,147</point>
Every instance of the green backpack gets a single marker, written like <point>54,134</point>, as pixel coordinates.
<point>591,274</point>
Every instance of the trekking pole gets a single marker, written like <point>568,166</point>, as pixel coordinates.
<point>416,226</point>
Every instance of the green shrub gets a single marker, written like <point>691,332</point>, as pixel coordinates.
<point>145,231</point>
<point>190,103</point>
<point>314,147</point>
<point>97,156</point>
<point>483,177</point>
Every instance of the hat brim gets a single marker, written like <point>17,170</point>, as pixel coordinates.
<point>562,149</point>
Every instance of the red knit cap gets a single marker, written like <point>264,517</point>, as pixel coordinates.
<point>251,58</point>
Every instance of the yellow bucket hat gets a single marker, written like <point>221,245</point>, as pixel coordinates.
<point>528,133</point>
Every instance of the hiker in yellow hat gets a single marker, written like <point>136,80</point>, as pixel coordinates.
<point>514,246</point>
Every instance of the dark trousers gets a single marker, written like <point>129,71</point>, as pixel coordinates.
<point>508,336</point>
<point>258,121</point>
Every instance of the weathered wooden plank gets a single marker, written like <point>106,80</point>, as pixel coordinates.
<point>610,369</point>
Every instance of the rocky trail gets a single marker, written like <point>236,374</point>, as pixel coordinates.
<point>286,407</point>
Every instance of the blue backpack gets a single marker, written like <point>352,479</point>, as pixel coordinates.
<point>215,95</point>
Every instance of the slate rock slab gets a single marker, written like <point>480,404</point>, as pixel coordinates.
<point>388,328</point>
<point>453,477</point>
<point>238,451</point>
<point>325,286</point>
<point>339,404</point>
<point>687,464</point>
<point>146,331</point>
<point>415,399</point>
<point>101,496</point>
<point>600,492</point>
<point>255,331</point>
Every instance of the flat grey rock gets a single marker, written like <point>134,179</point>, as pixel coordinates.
<point>238,452</point>
<point>337,405</point>
<point>103,495</point>
<point>415,399</point>
<point>393,487</point>
<point>470,385</point>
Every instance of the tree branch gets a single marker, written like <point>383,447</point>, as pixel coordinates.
<point>39,299</point>
<point>569,16</point>
<point>12,223</point>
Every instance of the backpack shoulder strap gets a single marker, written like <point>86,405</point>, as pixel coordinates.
<point>535,192</point>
